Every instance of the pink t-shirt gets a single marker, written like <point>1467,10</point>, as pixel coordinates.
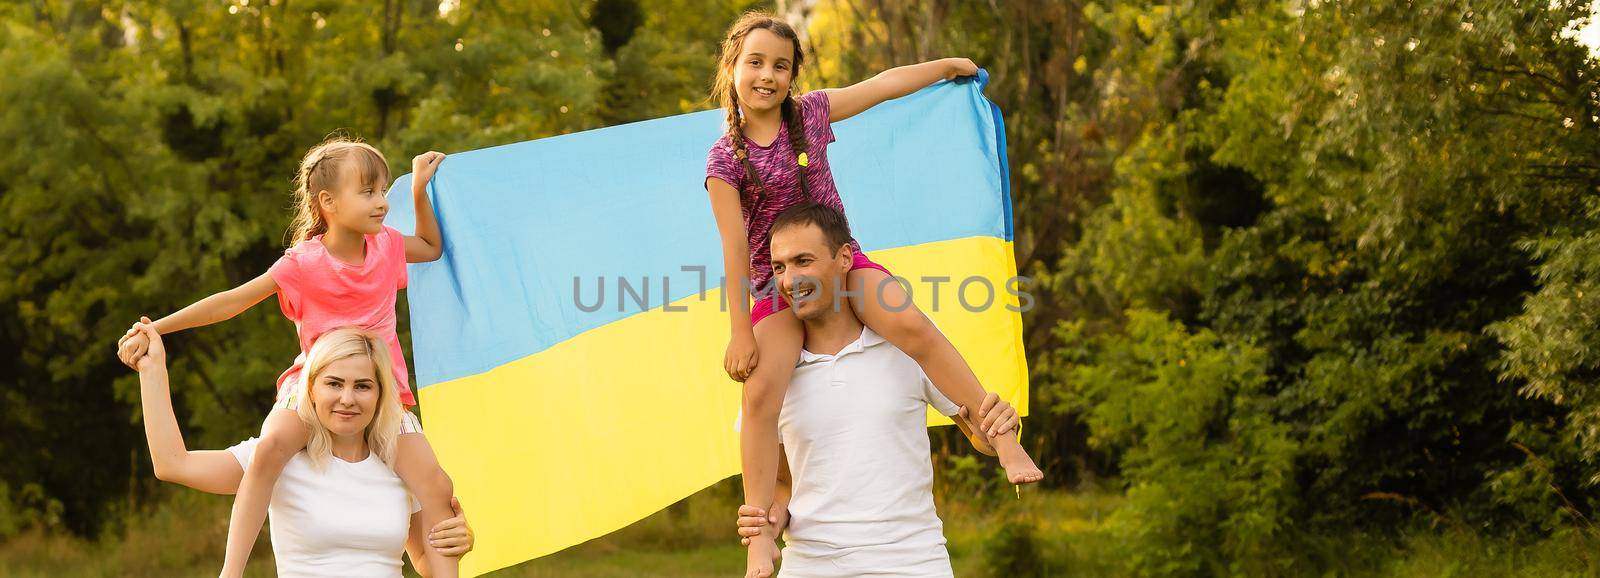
<point>319,293</point>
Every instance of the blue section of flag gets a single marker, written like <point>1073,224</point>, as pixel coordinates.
<point>533,229</point>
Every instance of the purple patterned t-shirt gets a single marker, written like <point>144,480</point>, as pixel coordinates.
<point>780,173</point>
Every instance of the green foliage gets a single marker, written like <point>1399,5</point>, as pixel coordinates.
<point>1354,201</point>
<point>1303,269</point>
<point>1012,551</point>
<point>1553,345</point>
<point>1209,469</point>
<point>156,142</point>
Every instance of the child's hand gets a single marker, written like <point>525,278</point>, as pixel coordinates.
<point>155,352</point>
<point>960,67</point>
<point>740,360</point>
<point>423,167</point>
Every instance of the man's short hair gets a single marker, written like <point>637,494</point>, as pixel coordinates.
<point>835,230</point>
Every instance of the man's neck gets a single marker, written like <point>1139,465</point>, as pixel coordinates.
<point>828,334</point>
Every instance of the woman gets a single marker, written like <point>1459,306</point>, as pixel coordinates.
<point>338,509</point>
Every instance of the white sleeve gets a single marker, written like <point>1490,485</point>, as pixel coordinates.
<point>936,398</point>
<point>242,451</point>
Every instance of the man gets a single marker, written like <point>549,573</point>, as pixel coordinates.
<point>856,495</point>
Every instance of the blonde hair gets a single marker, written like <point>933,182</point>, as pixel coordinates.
<point>383,434</point>
<point>320,171</point>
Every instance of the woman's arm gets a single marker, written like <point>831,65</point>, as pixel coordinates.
<point>428,244</point>
<point>893,83</point>
<point>741,357</point>
<point>213,471</point>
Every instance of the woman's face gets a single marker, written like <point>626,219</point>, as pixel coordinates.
<point>346,396</point>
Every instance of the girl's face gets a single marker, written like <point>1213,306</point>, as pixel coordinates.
<point>765,68</point>
<point>355,204</point>
<point>346,395</point>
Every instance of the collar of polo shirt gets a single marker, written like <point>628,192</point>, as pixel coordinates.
<point>868,338</point>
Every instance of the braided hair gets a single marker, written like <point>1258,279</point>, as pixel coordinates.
<point>726,94</point>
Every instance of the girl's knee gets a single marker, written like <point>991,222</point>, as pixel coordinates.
<point>763,398</point>
<point>278,446</point>
<point>433,486</point>
<point>441,486</point>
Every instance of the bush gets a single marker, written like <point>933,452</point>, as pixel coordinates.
<point>1208,470</point>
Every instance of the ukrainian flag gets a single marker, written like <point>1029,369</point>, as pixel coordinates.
<point>569,344</point>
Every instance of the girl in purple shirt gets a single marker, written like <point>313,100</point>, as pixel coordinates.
<point>773,157</point>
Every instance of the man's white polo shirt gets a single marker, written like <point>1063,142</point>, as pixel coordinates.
<point>854,427</point>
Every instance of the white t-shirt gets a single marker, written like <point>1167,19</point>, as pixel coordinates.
<point>349,519</point>
<point>854,427</point>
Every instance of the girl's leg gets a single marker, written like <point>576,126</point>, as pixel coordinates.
<point>883,305</point>
<point>419,468</point>
<point>779,338</point>
<point>282,436</point>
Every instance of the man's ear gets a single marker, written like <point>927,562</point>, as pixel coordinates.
<point>846,253</point>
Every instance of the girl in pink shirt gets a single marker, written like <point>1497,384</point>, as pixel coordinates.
<point>344,268</point>
<point>773,157</point>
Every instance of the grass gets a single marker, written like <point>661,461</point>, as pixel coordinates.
<point>1054,533</point>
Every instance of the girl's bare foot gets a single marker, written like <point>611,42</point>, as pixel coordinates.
<point>1020,468</point>
<point>759,556</point>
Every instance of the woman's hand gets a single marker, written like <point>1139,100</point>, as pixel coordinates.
<point>741,358</point>
<point>155,352</point>
<point>132,346</point>
<point>452,537</point>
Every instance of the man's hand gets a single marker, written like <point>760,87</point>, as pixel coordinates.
<point>753,521</point>
<point>994,418</point>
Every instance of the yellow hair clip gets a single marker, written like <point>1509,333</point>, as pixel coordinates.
<point>803,160</point>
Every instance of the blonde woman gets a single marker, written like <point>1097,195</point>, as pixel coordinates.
<point>338,509</point>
